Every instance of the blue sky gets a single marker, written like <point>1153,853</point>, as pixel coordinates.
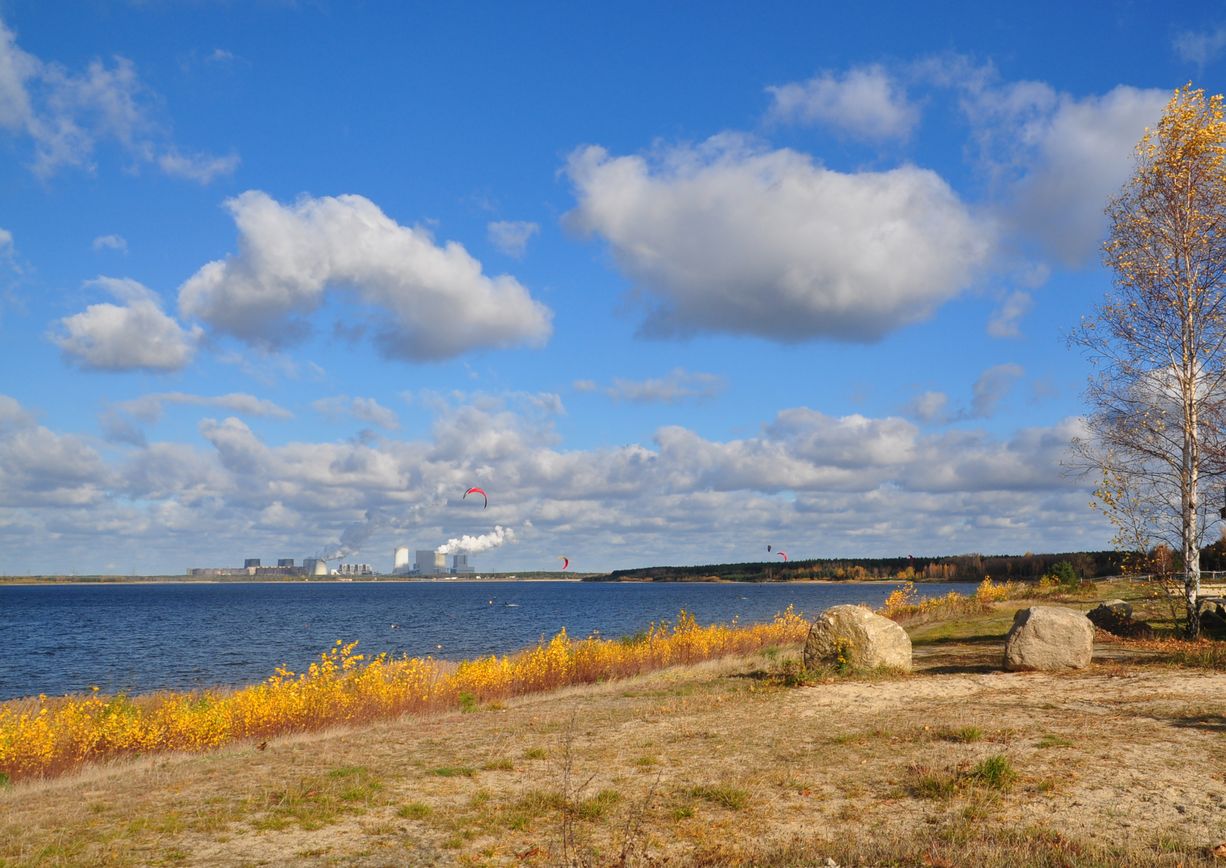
<point>671,282</point>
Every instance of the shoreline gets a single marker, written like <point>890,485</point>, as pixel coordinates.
<point>447,580</point>
<point>735,761</point>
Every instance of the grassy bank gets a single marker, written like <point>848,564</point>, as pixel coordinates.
<point>720,762</point>
<point>47,736</point>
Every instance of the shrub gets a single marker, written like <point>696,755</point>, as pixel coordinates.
<point>1066,574</point>
<point>45,736</point>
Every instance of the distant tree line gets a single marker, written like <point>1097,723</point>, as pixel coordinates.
<point>952,568</point>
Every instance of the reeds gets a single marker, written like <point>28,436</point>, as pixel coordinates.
<point>46,736</point>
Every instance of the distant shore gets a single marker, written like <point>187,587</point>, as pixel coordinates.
<point>254,580</point>
<point>188,580</point>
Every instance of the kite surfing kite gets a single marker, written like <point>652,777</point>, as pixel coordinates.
<point>768,548</point>
<point>565,561</point>
<point>480,491</point>
<point>784,555</point>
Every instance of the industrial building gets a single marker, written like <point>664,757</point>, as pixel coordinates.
<point>430,563</point>
<point>251,568</point>
<point>426,563</point>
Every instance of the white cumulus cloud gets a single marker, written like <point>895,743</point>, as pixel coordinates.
<point>865,102</point>
<point>727,237</point>
<point>1057,158</point>
<point>436,302</point>
<point>135,335</point>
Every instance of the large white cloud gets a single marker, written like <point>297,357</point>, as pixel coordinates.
<point>435,300</point>
<point>731,238</point>
<point>1056,158</point>
<point>135,335</point>
<point>1083,154</point>
<point>865,102</point>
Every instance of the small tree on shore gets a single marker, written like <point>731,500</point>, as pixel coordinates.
<point>1157,408</point>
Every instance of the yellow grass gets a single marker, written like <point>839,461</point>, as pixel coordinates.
<point>46,736</point>
<point>904,603</point>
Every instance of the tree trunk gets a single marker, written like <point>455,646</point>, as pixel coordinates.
<point>1191,548</point>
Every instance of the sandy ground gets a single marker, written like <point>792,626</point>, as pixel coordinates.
<point>722,763</point>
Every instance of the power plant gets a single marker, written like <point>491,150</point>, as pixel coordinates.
<point>426,563</point>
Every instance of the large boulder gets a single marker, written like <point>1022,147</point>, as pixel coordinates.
<point>1119,608</point>
<point>854,637</point>
<point>1115,616</point>
<point>1049,637</point>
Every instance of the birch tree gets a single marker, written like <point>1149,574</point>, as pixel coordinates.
<point>1158,341</point>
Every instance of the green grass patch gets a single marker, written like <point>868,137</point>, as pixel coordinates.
<point>535,753</point>
<point>521,814</point>
<point>724,795</point>
<point>1050,740</point>
<point>453,772</point>
<point>995,772</point>
<point>414,811</point>
<point>498,765</point>
<point>598,805</point>
<point>964,735</point>
<point>928,783</point>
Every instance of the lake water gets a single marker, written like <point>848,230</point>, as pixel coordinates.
<point>138,638</point>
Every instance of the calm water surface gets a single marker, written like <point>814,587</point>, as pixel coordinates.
<point>137,638</point>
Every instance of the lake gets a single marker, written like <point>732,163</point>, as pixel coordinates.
<point>143,637</point>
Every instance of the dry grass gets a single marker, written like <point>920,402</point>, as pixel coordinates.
<point>711,764</point>
<point>715,763</point>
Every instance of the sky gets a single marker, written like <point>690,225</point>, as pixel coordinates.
<point>670,282</point>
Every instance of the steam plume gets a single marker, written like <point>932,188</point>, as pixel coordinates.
<point>473,544</point>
